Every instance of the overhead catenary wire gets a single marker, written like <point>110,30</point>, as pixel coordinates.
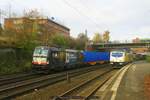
<point>87,7</point>
<point>82,14</point>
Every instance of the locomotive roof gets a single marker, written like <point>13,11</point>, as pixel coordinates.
<point>71,50</point>
<point>51,48</point>
<point>118,51</point>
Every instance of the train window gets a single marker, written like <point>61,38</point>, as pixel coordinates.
<point>62,56</point>
<point>55,57</point>
<point>117,54</point>
<point>44,52</point>
<point>55,54</point>
<point>58,57</point>
<point>71,57</point>
<point>40,52</point>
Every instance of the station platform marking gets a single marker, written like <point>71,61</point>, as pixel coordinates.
<point>133,67</point>
<point>103,88</point>
<point>118,81</point>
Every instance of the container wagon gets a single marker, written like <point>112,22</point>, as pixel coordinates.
<point>93,57</point>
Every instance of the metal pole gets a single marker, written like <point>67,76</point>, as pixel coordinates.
<point>68,78</point>
<point>0,15</point>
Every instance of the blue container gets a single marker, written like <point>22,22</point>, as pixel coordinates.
<point>92,56</point>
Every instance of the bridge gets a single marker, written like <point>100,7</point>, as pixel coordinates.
<point>98,46</point>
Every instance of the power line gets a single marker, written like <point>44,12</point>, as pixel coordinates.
<point>81,14</point>
<point>85,6</point>
<point>9,10</point>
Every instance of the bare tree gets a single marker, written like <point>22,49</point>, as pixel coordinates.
<point>97,38</point>
<point>81,41</point>
<point>33,13</point>
<point>106,36</point>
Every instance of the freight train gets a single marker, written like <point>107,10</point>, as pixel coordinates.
<point>46,59</point>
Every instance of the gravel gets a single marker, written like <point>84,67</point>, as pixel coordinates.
<point>56,89</point>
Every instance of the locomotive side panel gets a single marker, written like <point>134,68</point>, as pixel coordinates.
<point>72,58</point>
<point>46,59</point>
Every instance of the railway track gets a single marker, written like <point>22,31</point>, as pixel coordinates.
<point>13,89</point>
<point>85,90</point>
<point>17,78</point>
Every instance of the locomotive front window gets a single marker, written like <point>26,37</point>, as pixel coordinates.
<point>40,52</point>
<point>117,54</point>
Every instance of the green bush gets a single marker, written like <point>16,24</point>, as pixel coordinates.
<point>13,61</point>
<point>148,58</point>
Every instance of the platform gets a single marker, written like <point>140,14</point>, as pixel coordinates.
<point>132,82</point>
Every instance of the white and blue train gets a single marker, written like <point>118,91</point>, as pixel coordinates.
<point>120,57</point>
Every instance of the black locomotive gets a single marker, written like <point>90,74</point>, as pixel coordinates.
<point>46,59</point>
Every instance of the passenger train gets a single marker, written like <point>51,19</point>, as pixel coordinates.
<point>120,57</point>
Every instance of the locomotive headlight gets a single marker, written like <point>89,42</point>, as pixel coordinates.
<point>47,62</point>
<point>120,63</point>
<point>40,60</point>
<point>43,59</point>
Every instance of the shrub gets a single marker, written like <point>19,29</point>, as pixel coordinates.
<point>148,58</point>
<point>14,60</point>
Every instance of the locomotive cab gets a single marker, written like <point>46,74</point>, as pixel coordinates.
<point>40,59</point>
<point>46,59</point>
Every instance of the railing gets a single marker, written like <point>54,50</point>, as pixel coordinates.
<point>120,45</point>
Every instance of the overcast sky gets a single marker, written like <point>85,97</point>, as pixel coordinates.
<point>125,19</point>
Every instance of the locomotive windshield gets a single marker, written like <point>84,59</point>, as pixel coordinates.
<point>40,52</point>
<point>117,54</point>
